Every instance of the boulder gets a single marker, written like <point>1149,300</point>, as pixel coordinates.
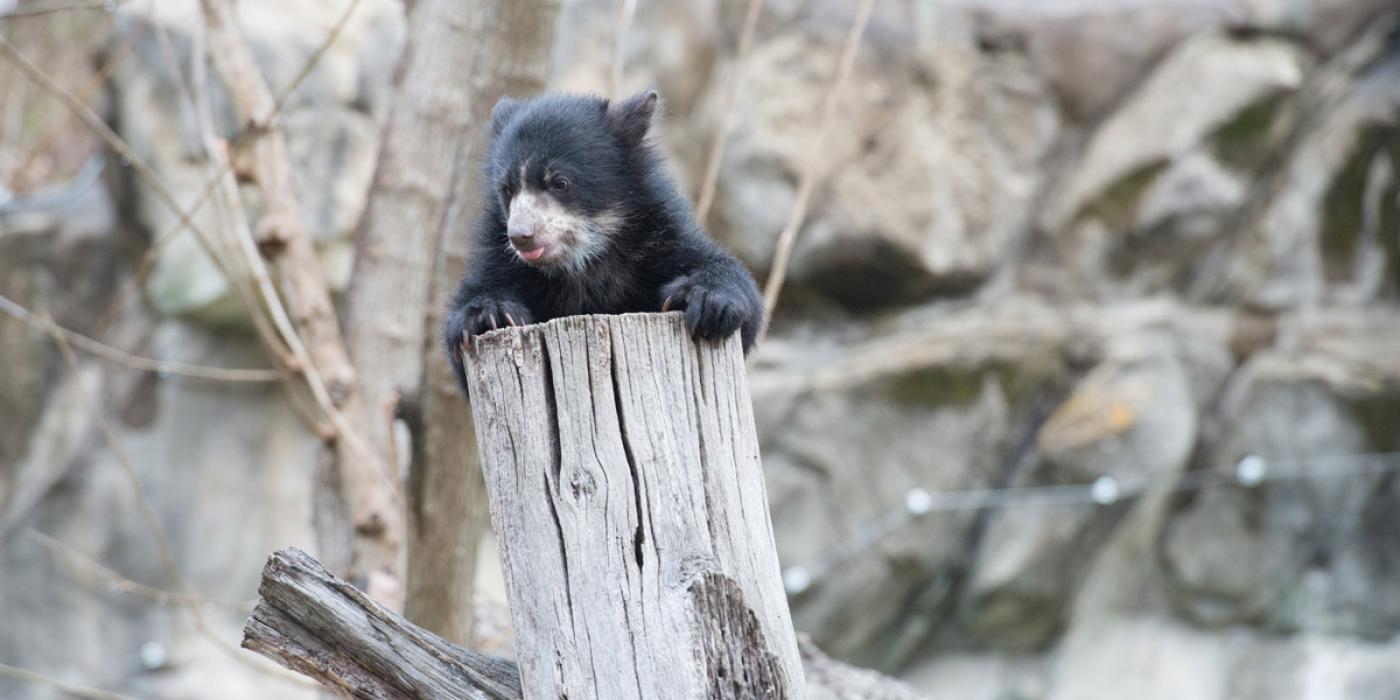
<point>1279,555</point>
<point>1197,88</point>
<point>882,579</point>
<point>1093,52</point>
<point>928,178</point>
<point>1324,231</point>
<point>1128,425</point>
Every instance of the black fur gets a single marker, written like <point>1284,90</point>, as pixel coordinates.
<point>655,254</point>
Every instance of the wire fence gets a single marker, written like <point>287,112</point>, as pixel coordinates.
<point>1250,472</point>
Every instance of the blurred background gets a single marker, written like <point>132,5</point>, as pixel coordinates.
<point>1084,381</point>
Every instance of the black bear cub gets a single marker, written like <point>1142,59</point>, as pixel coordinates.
<point>581,218</point>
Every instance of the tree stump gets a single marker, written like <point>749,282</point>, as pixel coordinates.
<point>628,499</point>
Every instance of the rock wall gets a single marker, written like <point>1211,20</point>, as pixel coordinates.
<point>1135,239</point>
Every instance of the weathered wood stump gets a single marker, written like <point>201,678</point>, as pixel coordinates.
<point>628,500</point>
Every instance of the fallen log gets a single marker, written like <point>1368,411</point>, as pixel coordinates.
<point>321,626</point>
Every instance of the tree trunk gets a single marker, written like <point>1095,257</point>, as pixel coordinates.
<point>628,499</point>
<point>505,48</point>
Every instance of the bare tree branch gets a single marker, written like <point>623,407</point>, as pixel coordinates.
<point>710,180</point>
<point>115,581</point>
<point>369,491</point>
<point>115,142</point>
<point>143,506</point>
<point>40,9</point>
<point>146,364</point>
<point>78,691</point>
<point>810,170</point>
<point>147,262</point>
<point>281,318</point>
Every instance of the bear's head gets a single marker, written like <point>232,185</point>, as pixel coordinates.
<point>562,170</point>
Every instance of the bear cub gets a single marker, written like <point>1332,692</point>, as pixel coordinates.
<point>581,218</point>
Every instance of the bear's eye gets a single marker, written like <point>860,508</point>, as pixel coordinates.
<point>505,191</point>
<point>559,183</point>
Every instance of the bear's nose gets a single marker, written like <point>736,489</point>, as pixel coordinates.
<point>520,233</point>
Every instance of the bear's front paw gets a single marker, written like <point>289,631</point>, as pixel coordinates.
<point>711,312</point>
<point>484,314</point>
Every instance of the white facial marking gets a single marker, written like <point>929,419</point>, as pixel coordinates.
<point>570,240</point>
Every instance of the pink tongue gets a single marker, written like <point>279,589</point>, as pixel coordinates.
<point>532,255</point>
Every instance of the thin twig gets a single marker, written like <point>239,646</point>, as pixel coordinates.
<point>148,259</point>
<point>241,233</point>
<point>46,139</point>
<point>77,691</point>
<point>310,64</point>
<point>711,178</point>
<point>783,250</point>
<point>306,414</point>
<point>146,364</point>
<point>195,94</point>
<point>115,142</point>
<point>626,9</point>
<point>143,506</point>
<point>39,9</point>
<point>167,557</point>
<point>373,495</point>
<point>282,320</point>
<point>116,581</point>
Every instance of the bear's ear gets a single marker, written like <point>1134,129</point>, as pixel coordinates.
<point>631,118</point>
<point>502,112</point>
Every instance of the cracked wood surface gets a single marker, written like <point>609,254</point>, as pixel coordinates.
<point>628,500</point>
<point>319,625</point>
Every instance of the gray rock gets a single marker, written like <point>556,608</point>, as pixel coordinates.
<point>228,501</point>
<point>923,194</point>
<point>883,580</point>
<point>1155,658</point>
<point>1132,421</point>
<point>1280,555</point>
<point>1191,196</point>
<point>1095,51</point>
<point>1317,234</point>
<point>1197,88</point>
<point>1144,658</point>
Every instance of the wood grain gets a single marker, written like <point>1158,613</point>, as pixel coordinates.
<point>314,623</point>
<point>628,500</point>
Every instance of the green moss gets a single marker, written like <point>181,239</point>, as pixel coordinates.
<point>960,387</point>
<point>937,386</point>
<point>1245,141</point>
<point>1343,207</point>
<point>1117,206</point>
<point>1389,227</point>
<point>1378,416</point>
